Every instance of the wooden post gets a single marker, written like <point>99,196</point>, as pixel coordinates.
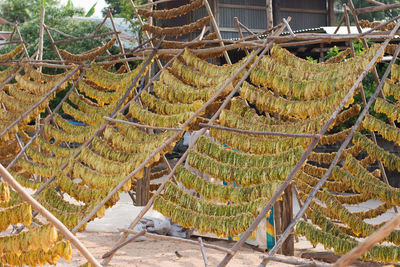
<point>52,43</point>
<point>276,11</point>
<point>177,239</point>
<point>145,32</point>
<point>269,13</point>
<point>50,217</point>
<point>203,252</point>
<point>287,216</point>
<point>331,13</point>
<point>278,221</point>
<point>143,188</point>
<point>40,47</point>
<point>133,238</point>
<point>216,29</point>
<point>240,32</point>
<point>121,46</point>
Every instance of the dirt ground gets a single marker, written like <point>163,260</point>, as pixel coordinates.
<point>162,253</point>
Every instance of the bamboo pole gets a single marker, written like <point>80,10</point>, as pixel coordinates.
<point>364,100</point>
<point>345,142</point>
<point>155,3</point>
<point>216,29</point>
<point>376,8</point>
<point>2,133</point>
<point>145,32</point>
<point>289,28</point>
<point>177,239</point>
<point>299,164</point>
<point>84,38</point>
<point>21,39</point>
<point>141,125</point>
<point>376,2</point>
<point>41,34</point>
<point>50,217</point>
<point>203,252</point>
<point>202,131</point>
<point>206,125</point>
<point>269,13</point>
<point>102,127</point>
<point>369,242</point>
<point>293,262</point>
<point>339,25</point>
<point>10,42</point>
<point>136,236</point>
<point>240,32</point>
<point>121,46</point>
<point>52,44</point>
<point>60,32</point>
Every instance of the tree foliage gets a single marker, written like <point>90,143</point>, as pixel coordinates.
<point>27,13</point>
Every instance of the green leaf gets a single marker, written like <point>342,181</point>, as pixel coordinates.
<point>43,3</point>
<point>91,11</point>
<point>69,5</point>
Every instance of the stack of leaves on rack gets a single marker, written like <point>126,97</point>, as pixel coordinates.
<point>86,173</point>
<point>37,245</point>
<point>279,98</point>
<point>94,170</point>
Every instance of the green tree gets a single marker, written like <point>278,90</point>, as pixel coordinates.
<point>56,16</point>
<point>123,9</point>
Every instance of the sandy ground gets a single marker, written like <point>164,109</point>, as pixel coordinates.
<point>162,253</point>
<point>102,234</point>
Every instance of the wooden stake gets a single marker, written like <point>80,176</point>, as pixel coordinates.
<point>269,13</point>
<point>52,44</point>
<point>136,236</point>
<point>376,2</point>
<point>146,33</point>
<point>121,46</point>
<point>154,3</point>
<point>203,252</point>
<point>369,242</point>
<point>376,8</point>
<point>293,262</point>
<point>177,239</point>
<point>40,47</point>
<point>20,38</point>
<point>240,32</point>
<point>143,189</point>
<point>216,29</point>
<point>299,164</point>
<point>345,142</point>
<point>50,217</point>
<point>84,38</point>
